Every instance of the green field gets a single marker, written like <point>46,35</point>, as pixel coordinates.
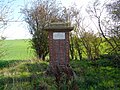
<point>18,50</point>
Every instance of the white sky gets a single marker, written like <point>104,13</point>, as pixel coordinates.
<point>18,30</point>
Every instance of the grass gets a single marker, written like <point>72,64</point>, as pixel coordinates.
<point>18,50</point>
<point>19,72</point>
<point>93,76</point>
<point>30,75</point>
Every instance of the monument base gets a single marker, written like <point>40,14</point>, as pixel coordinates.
<point>59,70</point>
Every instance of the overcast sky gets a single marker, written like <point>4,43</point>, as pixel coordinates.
<point>19,30</point>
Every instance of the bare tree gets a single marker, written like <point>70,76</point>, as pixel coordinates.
<point>69,15</point>
<point>95,11</point>
<point>5,10</point>
<point>114,23</point>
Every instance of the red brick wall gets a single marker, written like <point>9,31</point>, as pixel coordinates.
<point>59,50</point>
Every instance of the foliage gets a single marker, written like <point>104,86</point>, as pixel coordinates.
<point>72,47</point>
<point>112,60</point>
<point>64,77</point>
<point>75,47</point>
<point>41,13</point>
<point>94,75</point>
<point>91,43</point>
<point>31,75</point>
<point>87,45</point>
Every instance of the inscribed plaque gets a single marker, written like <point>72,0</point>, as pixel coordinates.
<point>59,35</point>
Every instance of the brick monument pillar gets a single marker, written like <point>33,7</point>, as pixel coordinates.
<point>58,36</point>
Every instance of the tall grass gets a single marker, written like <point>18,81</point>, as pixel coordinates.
<point>31,75</point>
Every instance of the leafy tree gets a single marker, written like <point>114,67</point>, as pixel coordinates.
<point>72,46</point>
<point>78,47</point>
<point>91,43</point>
<point>41,13</point>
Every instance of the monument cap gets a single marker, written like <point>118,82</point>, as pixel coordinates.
<point>59,27</point>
